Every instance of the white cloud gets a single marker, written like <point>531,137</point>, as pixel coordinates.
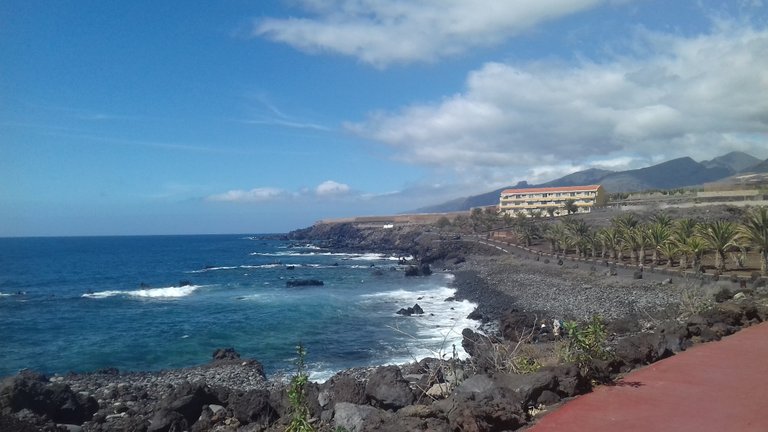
<point>382,32</point>
<point>700,96</point>
<point>253,195</point>
<point>331,188</point>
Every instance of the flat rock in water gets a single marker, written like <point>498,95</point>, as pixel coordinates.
<point>303,282</point>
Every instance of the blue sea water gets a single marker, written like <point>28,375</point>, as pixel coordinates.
<point>157,302</point>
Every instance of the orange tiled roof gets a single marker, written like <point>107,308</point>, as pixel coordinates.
<point>551,189</point>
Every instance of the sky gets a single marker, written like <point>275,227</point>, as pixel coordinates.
<point>235,116</point>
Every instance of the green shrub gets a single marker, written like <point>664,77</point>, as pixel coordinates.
<point>586,343</point>
<point>297,394</point>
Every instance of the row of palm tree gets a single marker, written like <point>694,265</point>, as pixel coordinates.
<point>682,240</point>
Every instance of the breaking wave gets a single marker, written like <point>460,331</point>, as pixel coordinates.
<point>167,292</point>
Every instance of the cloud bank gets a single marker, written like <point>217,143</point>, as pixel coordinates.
<point>404,31</point>
<point>331,188</point>
<point>253,195</point>
<point>326,189</point>
<point>702,95</point>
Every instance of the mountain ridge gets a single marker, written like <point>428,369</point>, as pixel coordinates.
<point>671,174</point>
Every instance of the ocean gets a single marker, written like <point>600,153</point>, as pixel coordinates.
<point>148,303</point>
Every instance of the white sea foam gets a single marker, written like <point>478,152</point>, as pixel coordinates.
<point>207,269</point>
<point>438,330</point>
<point>260,266</point>
<point>308,246</point>
<point>160,293</point>
<point>5,295</point>
<point>322,375</point>
<point>341,255</point>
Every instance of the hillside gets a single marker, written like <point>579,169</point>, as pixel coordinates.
<point>734,161</point>
<point>676,173</point>
<point>672,174</point>
<point>761,167</point>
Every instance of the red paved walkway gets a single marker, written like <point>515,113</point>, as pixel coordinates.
<point>719,386</point>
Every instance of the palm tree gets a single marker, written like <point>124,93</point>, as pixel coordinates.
<point>658,234</point>
<point>682,231</point>
<point>554,234</point>
<point>625,221</point>
<point>570,206</point>
<point>633,240</point>
<point>593,243</point>
<point>670,250</point>
<point>755,232</point>
<point>662,219</point>
<point>611,241</point>
<point>694,247</point>
<point>686,227</point>
<point>578,230</point>
<point>526,231</point>
<point>721,236</point>
<point>551,211</point>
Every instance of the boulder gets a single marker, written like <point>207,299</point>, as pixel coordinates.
<point>439,391</point>
<point>182,407</point>
<point>528,387</point>
<point>734,314</point>
<point>253,407</point>
<point>165,421</point>
<point>570,381</point>
<point>517,324</point>
<point>415,310</point>
<point>405,311</point>
<point>422,269</point>
<point>225,354</point>
<point>56,401</point>
<point>645,348</point>
<point>387,389</point>
<point>361,418</point>
<point>480,404</point>
<point>470,342</point>
<point>341,388</point>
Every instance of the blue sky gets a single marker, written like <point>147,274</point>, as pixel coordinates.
<point>234,116</point>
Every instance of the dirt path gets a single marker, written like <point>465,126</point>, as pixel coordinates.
<point>720,386</point>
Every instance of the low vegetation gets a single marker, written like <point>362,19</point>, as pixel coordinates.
<point>297,394</point>
<point>585,343</point>
<point>686,243</point>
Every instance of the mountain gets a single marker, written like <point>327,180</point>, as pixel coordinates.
<point>586,177</point>
<point>761,167</point>
<point>466,203</point>
<point>734,161</point>
<point>671,174</point>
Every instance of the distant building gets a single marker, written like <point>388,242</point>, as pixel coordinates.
<point>529,201</point>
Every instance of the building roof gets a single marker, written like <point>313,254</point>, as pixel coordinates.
<point>590,188</point>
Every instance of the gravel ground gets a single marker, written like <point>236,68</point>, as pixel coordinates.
<point>573,290</point>
<point>110,386</point>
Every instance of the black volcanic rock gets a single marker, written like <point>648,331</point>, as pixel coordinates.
<point>303,282</point>
<point>387,389</point>
<point>225,354</point>
<point>420,270</point>
<point>56,401</point>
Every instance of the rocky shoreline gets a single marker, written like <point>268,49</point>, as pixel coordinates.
<point>518,298</point>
